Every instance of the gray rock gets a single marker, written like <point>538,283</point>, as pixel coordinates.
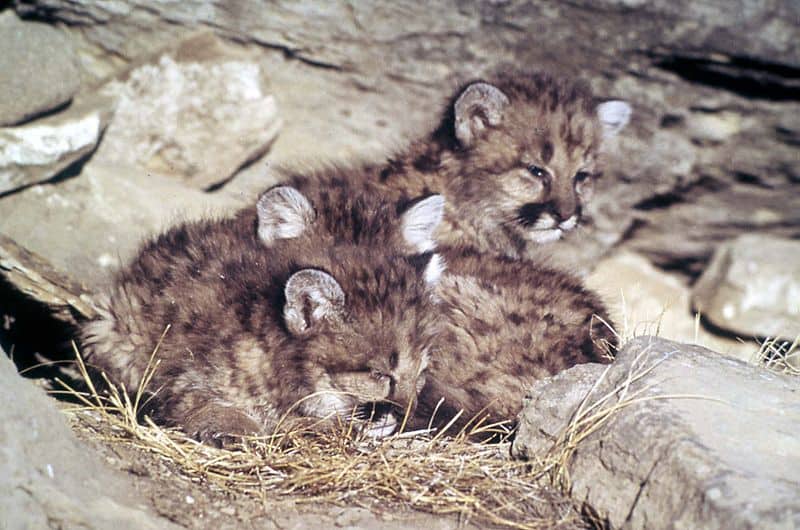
<point>48,479</point>
<point>698,440</point>
<point>40,150</point>
<point>752,287</point>
<point>38,71</point>
<point>199,113</point>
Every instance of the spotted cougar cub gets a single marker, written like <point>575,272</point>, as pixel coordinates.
<point>270,318</point>
<point>505,324</point>
<point>516,158</point>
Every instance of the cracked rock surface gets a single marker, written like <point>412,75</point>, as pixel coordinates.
<point>697,441</point>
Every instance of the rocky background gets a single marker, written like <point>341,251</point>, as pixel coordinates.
<point>118,118</point>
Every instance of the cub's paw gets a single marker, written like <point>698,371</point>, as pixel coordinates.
<point>221,426</point>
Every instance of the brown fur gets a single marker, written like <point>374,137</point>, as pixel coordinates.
<point>233,361</point>
<point>494,203</point>
<point>506,323</point>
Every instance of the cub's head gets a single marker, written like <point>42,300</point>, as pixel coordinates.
<point>365,328</point>
<point>361,310</point>
<point>528,147</point>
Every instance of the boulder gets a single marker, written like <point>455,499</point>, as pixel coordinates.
<point>752,287</point>
<point>679,437</point>
<point>199,112</point>
<point>38,70</point>
<point>644,300</point>
<point>48,479</point>
<point>40,150</point>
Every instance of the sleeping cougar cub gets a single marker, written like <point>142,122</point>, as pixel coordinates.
<point>270,318</point>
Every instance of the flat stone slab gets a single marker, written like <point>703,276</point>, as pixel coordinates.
<point>697,440</point>
<point>40,150</point>
<point>86,227</point>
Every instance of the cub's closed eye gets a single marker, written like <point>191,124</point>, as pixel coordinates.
<point>580,176</point>
<point>536,171</point>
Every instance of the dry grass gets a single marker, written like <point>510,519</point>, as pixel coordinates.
<point>439,474</point>
<point>779,356</point>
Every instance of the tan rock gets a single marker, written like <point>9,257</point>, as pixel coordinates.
<point>646,301</point>
<point>752,287</point>
<point>39,150</point>
<point>199,113</point>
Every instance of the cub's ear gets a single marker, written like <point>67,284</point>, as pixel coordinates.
<point>614,116</point>
<point>430,265</point>
<point>479,106</point>
<point>311,297</point>
<point>420,221</point>
<point>283,213</point>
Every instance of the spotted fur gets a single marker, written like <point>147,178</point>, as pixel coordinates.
<point>258,331</point>
<point>515,156</point>
<point>506,323</point>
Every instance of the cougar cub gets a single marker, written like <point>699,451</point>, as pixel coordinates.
<point>506,323</point>
<point>271,318</point>
<point>516,158</point>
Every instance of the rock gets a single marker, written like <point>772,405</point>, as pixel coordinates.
<point>199,112</point>
<point>711,90</point>
<point>644,300</point>
<point>40,150</point>
<point>48,479</point>
<point>697,440</point>
<point>86,226</point>
<point>714,127</point>
<point>752,287</point>
<point>38,71</point>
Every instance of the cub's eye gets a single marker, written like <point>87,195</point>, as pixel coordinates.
<point>581,176</point>
<point>536,171</point>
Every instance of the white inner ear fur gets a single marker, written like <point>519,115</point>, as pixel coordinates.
<point>434,270</point>
<point>283,213</point>
<point>614,116</point>
<point>420,222</point>
<point>317,289</point>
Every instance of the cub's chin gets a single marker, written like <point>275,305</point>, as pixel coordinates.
<point>541,237</point>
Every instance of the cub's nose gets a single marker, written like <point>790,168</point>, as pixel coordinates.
<point>565,209</point>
